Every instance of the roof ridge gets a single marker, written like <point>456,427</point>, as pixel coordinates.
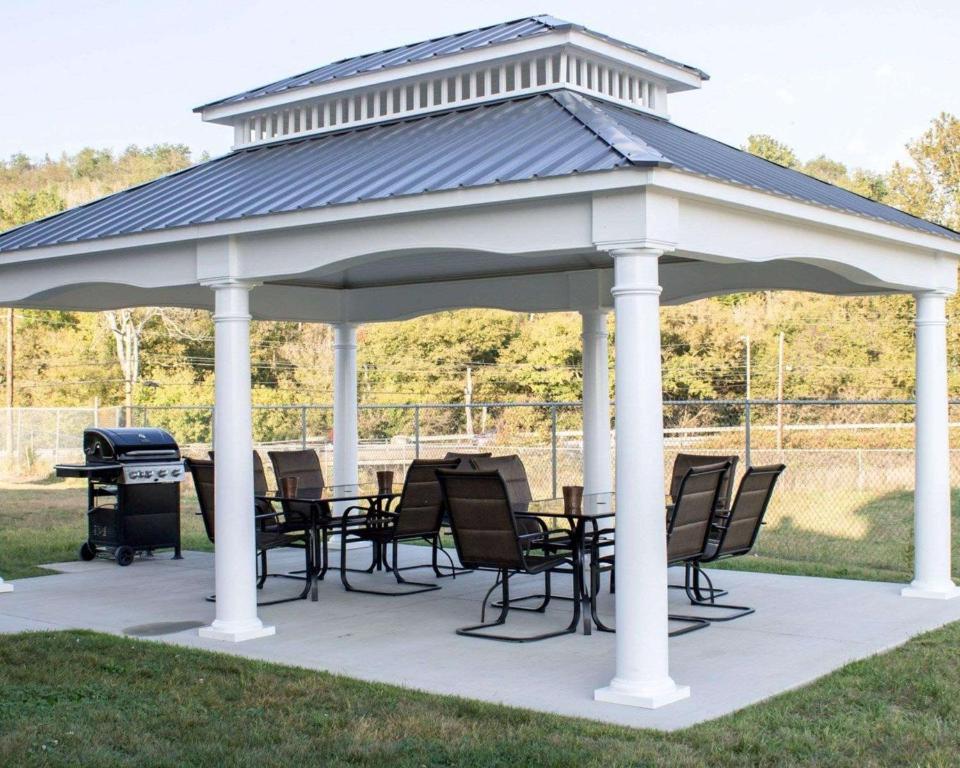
<point>634,150</point>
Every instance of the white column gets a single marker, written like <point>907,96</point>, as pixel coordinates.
<point>932,493</point>
<point>642,675</point>
<point>5,587</point>
<point>345,438</point>
<point>235,546</point>
<point>597,470</point>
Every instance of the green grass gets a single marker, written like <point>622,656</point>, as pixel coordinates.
<point>78,698</point>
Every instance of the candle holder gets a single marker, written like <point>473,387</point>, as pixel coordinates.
<point>385,481</point>
<point>289,487</point>
<point>572,499</point>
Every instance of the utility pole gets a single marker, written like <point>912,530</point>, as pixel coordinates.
<point>468,399</point>
<point>780,393</point>
<point>9,382</point>
<point>746,341</point>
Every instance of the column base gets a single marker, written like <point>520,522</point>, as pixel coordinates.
<point>646,696</point>
<point>5,587</point>
<point>236,632</point>
<point>946,590</point>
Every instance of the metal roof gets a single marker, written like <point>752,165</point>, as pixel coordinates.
<point>702,155</point>
<point>552,134</point>
<point>505,32</point>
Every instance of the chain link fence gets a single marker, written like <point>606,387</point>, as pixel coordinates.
<point>844,504</point>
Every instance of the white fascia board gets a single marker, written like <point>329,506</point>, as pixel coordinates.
<point>421,203</point>
<point>674,78</point>
<point>730,193</point>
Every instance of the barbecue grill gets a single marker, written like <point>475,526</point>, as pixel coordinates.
<point>133,492</point>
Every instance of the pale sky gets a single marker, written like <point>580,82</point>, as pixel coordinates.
<point>854,79</point>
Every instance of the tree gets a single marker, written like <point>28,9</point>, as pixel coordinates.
<point>127,326</point>
<point>769,148</point>
<point>930,187</point>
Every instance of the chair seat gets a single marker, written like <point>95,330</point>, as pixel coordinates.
<point>271,539</point>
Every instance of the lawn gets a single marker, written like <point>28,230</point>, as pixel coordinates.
<point>77,698</point>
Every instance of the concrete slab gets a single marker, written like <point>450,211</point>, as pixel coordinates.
<point>803,628</point>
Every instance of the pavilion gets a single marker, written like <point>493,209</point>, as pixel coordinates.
<point>527,166</point>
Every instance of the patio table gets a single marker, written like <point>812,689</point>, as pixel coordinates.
<point>320,499</point>
<point>596,507</point>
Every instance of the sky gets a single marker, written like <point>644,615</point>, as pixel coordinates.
<point>852,79</point>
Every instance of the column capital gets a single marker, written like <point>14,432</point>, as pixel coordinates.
<point>636,248</point>
<point>344,335</point>
<point>931,307</point>
<point>220,283</point>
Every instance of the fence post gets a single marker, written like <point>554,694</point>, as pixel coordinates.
<point>146,419</point>
<point>416,431</point>
<point>96,411</point>
<point>213,421</point>
<point>553,448</point>
<point>303,427</point>
<point>56,439</point>
<point>116,415</point>
<point>746,432</point>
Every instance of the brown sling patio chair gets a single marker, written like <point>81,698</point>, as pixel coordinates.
<point>449,569</point>
<point>417,516</point>
<point>734,535</point>
<point>269,531</point>
<point>689,528</point>
<point>487,537</point>
<point>304,465</point>
<point>514,475</point>
<point>682,463</point>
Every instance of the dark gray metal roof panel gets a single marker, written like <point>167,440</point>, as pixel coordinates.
<point>554,134</point>
<point>508,31</point>
<point>534,137</point>
<point>708,157</point>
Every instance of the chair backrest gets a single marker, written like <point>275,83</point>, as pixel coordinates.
<point>685,461</point>
<point>484,528</point>
<point>421,501</point>
<point>303,465</point>
<point>746,516</point>
<point>260,487</point>
<point>514,474</point>
<point>465,458</point>
<point>688,527</point>
<point>203,482</point>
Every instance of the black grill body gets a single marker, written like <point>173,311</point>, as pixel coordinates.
<point>133,492</point>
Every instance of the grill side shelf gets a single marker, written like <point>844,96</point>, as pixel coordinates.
<point>89,471</point>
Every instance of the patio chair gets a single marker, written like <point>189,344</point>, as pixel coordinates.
<point>465,457</point>
<point>685,461</point>
<point>269,533</point>
<point>416,517</point>
<point>487,537</point>
<point>689,528</point>
<point>304,465</point>
<point>514,474</point>
<point>682,463</point>
<point>448,570</point>
<point>734,535</point>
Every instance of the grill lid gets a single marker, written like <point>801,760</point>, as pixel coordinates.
<point>129,444</point>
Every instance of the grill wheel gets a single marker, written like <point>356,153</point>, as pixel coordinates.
<point>87,551</point>
<point>124,555</point>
